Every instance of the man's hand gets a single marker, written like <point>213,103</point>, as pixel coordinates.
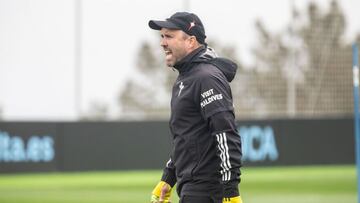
<point>161,193</point>
<point>232,199</point>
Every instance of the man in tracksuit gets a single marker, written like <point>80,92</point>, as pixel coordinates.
<point>206,157</point>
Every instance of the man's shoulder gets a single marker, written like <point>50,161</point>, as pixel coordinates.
<point>205,70</point>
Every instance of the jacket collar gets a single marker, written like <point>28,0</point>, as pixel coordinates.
<point>185,64</point>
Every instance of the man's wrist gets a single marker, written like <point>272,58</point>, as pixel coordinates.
<point>236,199</point>
<point>231,188</point>
<point>169,177</point>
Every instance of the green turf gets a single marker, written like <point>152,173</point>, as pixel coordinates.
<point>320,184</point>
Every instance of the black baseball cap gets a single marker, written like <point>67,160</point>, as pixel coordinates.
<point>187,22</point>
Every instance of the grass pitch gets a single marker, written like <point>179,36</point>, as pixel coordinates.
<point>315,184</point>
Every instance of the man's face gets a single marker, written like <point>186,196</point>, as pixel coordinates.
<point>175,44</point>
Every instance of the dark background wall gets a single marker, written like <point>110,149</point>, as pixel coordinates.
<point>301,142</point>
<point>43,146</point>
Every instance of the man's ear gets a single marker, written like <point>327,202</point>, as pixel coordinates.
<point>193,42</point>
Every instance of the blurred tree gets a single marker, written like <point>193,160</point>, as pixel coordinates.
<point>328,83</point>
<point>304,70</point>
<point>146,92</point>
<point>97,112</point>
<point>226,51</point>
<point>266,81</point>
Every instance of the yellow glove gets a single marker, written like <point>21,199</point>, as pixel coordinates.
<point>157,197</point>
<point>232,199</point>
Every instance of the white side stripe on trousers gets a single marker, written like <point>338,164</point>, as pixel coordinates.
<point>224,155</point>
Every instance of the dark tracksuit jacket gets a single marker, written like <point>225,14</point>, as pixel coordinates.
<point>206,155</point>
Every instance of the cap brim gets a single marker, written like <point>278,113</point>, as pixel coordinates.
<point>157,25</point>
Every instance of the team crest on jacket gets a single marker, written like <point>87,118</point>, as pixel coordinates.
<point>181,86</point>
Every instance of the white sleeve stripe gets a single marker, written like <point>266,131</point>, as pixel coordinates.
<point>229,176</point>
<point>221,154</point>
<point>227,151</point>
<point>224,155</point>
<point>226,176</point>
